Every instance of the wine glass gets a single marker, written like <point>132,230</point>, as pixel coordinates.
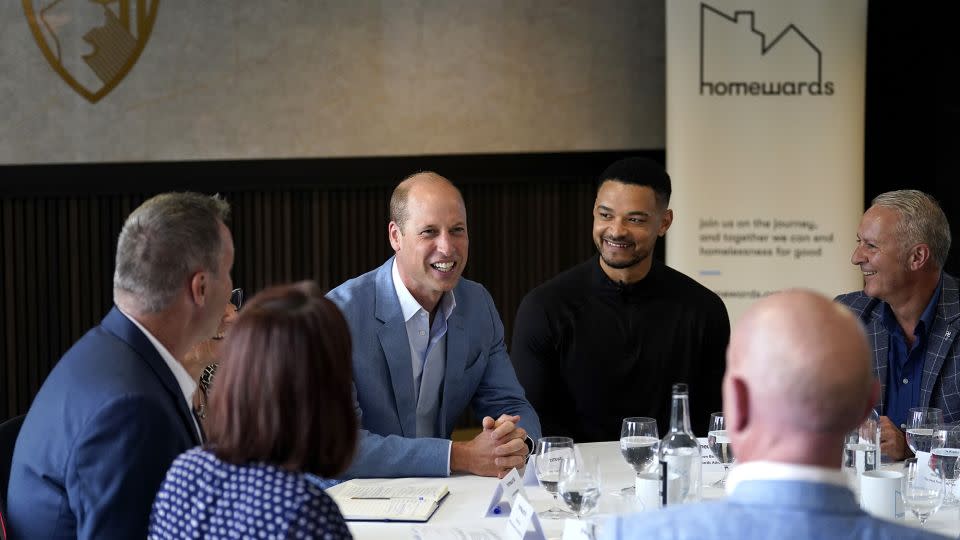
<point>550,454</point>
<point>639,443</point>
<point>719,444</point>
<point>944,451</point>
<point>580,483</point>
<point>922,494</point>
<point>920,424</point>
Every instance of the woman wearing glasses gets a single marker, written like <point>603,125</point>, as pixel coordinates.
<point>282,410</point>
<point>202,360</point>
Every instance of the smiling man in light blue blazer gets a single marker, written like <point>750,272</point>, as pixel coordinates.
<point>798,379</point>
<point>427,343</point>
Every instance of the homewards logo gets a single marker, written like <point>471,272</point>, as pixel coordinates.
<point>736,59</point>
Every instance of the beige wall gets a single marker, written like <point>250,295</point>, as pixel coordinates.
<point>222,79</point>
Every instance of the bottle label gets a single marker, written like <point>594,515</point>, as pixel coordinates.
<point>663,483</point>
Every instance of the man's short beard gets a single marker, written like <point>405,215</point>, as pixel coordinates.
<point>622,265</point>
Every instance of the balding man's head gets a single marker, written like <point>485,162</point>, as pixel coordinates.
<point>798,366</point>
<point>399,208</point>
<point>428,233</point>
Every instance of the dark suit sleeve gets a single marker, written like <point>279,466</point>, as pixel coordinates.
<point>535,357</point>
<point>118,464</point>
<point>706,394</point>
<point>500,391</point>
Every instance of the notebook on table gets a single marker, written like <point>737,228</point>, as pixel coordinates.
<point>365,502</point>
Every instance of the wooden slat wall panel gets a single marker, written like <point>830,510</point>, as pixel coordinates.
<point>58,253</point>
<point>57,270</point>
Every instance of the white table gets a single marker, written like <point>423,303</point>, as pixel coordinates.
<point>469,496</point>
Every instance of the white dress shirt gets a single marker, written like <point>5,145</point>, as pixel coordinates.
<point>187,385</point>
<point>428,353</point>
<point>775,470</point>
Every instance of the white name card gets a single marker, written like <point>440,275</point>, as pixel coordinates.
<point>927,477</point>
<point>930,473</point>
<point>575,529</point>
<point>710,463</point>
<point>523,523</point>
<point>530,472</point>
<point>507,489</point>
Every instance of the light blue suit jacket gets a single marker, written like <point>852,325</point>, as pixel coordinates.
<point>478,372</point>
<point>766,509</point>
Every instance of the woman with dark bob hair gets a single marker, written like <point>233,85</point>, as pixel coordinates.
<point>282,409</point>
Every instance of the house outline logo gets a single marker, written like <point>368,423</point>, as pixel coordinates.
<point>758,87</point>
<point>115,46</point>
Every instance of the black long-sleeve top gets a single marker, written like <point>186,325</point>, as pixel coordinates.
<point>590,352</point>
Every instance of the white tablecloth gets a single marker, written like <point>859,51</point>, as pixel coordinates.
<point>470,495</point>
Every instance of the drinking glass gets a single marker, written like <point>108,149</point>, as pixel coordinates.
<point>861,448</point>
<point>550,454</point>
<point>920,424</point>
<point>944,451</point>
<point>922,494</point>
<point>580,483</point>
<point>639,445</point>
<point>956,470</point>
<point>719,444</point>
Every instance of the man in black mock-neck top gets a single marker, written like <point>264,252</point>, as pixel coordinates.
<point>607,338</point>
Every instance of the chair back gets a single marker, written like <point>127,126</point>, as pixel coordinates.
<point>8,439</point>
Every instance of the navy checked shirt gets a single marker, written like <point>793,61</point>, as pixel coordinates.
<point>906,366</point>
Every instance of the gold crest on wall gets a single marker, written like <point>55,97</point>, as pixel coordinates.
<point>91,44</point>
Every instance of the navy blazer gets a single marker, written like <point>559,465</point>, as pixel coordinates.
<point>766,509</point>
<point>940,384</point>
<point>98,439</point>
<point>478,372</point>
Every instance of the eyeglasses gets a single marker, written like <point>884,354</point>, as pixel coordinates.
<point>236,298</point>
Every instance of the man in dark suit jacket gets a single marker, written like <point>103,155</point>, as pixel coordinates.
<point>910,308</point>
<point>425,344</point>
<point>113,413</point>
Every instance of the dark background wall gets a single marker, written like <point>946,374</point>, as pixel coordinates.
<point>325,219</point>
<point>913,105</point>
<point>529,216</point>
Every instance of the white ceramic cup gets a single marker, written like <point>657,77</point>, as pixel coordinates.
<point>880,493</point>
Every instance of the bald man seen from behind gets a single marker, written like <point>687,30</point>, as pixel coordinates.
<point>798,379</point>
